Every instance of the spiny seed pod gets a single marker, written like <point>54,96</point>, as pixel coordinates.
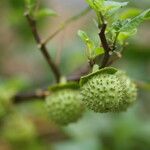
<point>101,91</point>
<point>5,98</point>
<point>7,90</point>
<point>130,90</point>
<point>105,91</point>
<point>64,104</point>
<point>18,129</point>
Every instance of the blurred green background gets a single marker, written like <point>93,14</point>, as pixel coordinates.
<point>23,68</point>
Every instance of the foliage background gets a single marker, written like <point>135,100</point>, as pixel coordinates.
<point>23,67</point>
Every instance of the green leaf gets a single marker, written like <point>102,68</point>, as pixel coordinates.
<point>86,39</point>
<point>44,13</point>
<point>147,16</point>
<point>95,4</point>
<point>92,50</point>
<point>83,36</point>
<point>112,4</point>
<point>99,51</point>
<point>29,2</point>
<point>131,24</point>
<point>117,25</point>
<point>30,5</point>
<point>130,12</point>
<point>89,43</point>
<point>125,35</point>
<point>111,7</point>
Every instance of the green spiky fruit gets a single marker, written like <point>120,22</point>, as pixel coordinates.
<point>64,105</point>
<point>7,90</point>
<point>102,92</point>
<point>5,99</point>
<point>18,129</point>
<point>107,91</point>
<point>130,90</point>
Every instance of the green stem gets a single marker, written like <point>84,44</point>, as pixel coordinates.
<point>143,85</point>
<point>95,68</point>
<point>115,41</point>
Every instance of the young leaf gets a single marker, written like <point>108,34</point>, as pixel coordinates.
<point>44,13</point>
<point>92,50</point>
<point>130,12</point>
<point>99,51</point>
<point>86,39</point>
<point>123,36</point>
<point>89,43</point>
<point>95,4</point>
<point>131,24</point>
<point>111,7</point>
<point>112,4</point>
<point>117,25</point>
<point>29,2</point>
<point>147,16</point>
<point>83,36</point>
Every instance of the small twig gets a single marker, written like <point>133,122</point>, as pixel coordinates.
<point>102,26</point>
<point>91,63</point>
<point>40,94</point>
<point>105,45</point>
<point>42,47</point>
<point>65,24</point>
<point>101,17</point>
<point>117,56</point>
<point>23,97</point>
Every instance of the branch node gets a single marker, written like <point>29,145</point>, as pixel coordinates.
<point>26,13</point>
<point>39,45</point>
<point>42,47</point>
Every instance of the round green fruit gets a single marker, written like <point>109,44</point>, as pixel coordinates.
<point>64,104</point>
<point>107,91</point>
<point>18,129</point>
<point>130,90</point>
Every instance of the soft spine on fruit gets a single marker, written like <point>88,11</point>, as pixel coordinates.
<point>64,106</point>
<point>108,92</point>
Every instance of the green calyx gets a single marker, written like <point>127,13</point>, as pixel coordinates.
<point>107,90</point>
<point>64,103</point>
<point>107,70</point>
<point>62,86</point>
